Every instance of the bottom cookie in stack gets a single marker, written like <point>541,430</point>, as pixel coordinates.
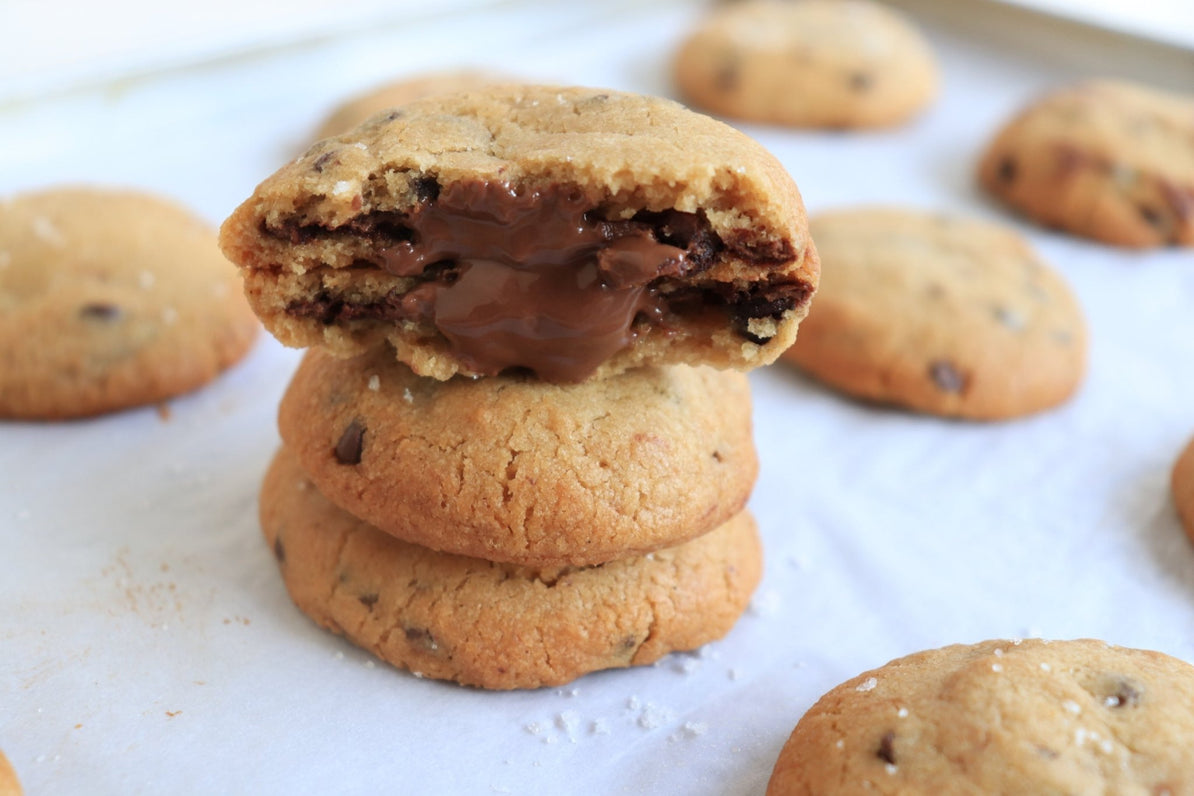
<point>495,625</point>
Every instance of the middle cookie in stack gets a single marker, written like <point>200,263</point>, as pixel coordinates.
<point>581,506</point>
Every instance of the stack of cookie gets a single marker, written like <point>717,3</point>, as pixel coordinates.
<point>519,449</point>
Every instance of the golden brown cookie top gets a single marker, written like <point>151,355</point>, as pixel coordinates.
<point>691,232</point>
<point>1001,717</point>
<point>807,63</point>
<point>1108,159</point>
<point>9,784</point>
<point>497,625</point>
<point>513,469</point>
<point>359,108</point>
<point>941,314</point>
<point>109,299</point>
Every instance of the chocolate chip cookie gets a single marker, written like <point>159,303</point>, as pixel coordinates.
<point>570,232</point>
<point>812,63</point>
<point>939,314</point>
<point>513,469</point>
<point>1001,717</point>
<point>1108,160</point>
<point>9,784</point>
<point>495,625</point>
<point>1183,488</point>
<point>111,299</point>
<point>399,92</point>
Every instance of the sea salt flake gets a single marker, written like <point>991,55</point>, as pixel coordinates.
<point>342,187</point>
<point>374,382</point>
<point>996,667</point>
<point>534,728</point>
<point>867,685</point>
<point>407,396</point>
<point>695,728</point>
<point>902,713</point>
<point>1072,706</point>
<point>891,768</point>
<point>568,721</point>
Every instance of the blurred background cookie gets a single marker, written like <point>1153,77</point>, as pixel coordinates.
<point>1027,716</point>
<point>1108,160</point>
<point>944,315</point>
<point>807,63</point>
<point>9,784</point>
<point>399,92</point>
<point>498,625</point>
<point>111,299</point>
<point>1183,488</point>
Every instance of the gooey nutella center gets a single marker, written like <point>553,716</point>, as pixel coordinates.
<point>530,279</point>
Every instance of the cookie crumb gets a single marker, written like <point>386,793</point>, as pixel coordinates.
<point>688,665</point>
<point>734,674</point>
<point>694,729</point>
<point>534,728</point>
<point>867,685</point>
<point>599,727</point>
<point>654,717</point>
<point>568,721</point>
<point>632,703</point>
<point>370,664</point>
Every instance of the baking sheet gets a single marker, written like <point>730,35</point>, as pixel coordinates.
<point>147,644</point>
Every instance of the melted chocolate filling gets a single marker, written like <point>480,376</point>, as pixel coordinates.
<point>538,280</point>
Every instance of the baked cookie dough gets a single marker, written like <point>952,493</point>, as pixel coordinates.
<point>1001,717</point>
<point>399,92</point>
<point>1108,160</point>
<point>9,784</point>
<point>939,314</point>
<point>513,469</point>
<point>494,625</point>
<point>1183,488</point>
<point>110,299</point>
<point>571,232</point>
<point>811,63</point>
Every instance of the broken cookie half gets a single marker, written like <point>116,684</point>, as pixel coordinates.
<point>568,232</point>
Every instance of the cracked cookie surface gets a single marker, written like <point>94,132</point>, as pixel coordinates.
<point>1001,717</point>
<point>572,232</point>
<point>513,469</point>
<point>1108,160</point>
<point>500,626</point>
<point>939,314</point>
<point>808,63</point>
<point>111,299</point>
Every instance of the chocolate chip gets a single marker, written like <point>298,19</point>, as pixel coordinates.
<point>629,643</point>
<point>860,81</point>
<point>100,312</point>
<point>322,161</point>
<point>946,376</point>
<point>279,550</point>
<point>717,456</point>
<point>421,637</point>
<point>1151,216</point>
<point>426,189</point>
<point>352,442</point>
<point>1127,694</point>
<point>726,76</point>
<point>886,752</point>
<point>368,600</point>
<point>1006,171</point>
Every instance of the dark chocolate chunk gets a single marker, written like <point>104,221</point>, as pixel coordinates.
<point>352,443</point>
<point>279,550</point>
<point>946,376</point>
<point>1006,170</point>
<point>322,161</point>
<point>368,600</point>
<point>1151,216</point>
<point>421,636</point>
<point>886,751</point>
<point>100,312</point>
<point>629,643</point>
<point>1127,694</point>
<point>426,188</point>
<point>860,81</point>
